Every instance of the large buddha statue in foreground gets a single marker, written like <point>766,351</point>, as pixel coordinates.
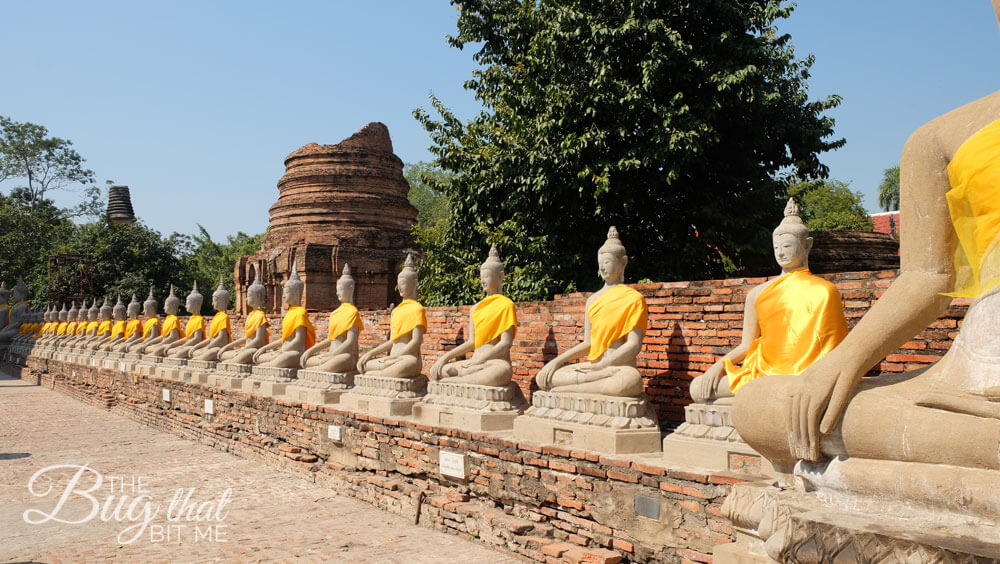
<point>612,335</point>
<point>788,323</point>
<point>341,342</point>
<point>931,434</point>
<point>16,313</point>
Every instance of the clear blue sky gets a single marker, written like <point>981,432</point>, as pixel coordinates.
<point>195,104</point>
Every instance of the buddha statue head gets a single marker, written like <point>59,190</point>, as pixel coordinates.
<point>106,310</point>
<point>612,259</point>
<point>257,292</point>
<point>63,313</point>
<point>93,313</point>
<point>149,306</point>
<point>71,315</point>
<point>134,307</point>
<point>172,304</point>
<point>194,300</point>
<point>20,291</point>
<point>407,280</point>
<point>791,239</point>
<point>292,291</point>
<point>220,298</point>
<point>491,272</point>
<point>345,286</point>
<point>4,293</point>
<point>81,314</point>
<point>119,310</point>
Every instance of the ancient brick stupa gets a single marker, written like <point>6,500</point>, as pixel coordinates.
<point>337,203</point>
<point>120,205</point>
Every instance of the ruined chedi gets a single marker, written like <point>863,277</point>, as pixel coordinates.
<point>337,204</point>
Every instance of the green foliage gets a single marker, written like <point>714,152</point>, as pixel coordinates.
<point>830,205</point>
<point>888,190</point>
<point>43,163</point>
<point>669,119</point>
<point>204,259</point>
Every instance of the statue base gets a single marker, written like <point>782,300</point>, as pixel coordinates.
<point>708,441</point>
<point>597,423</point>
<point>229,375</point>
<point>268,380</point>
<point>172,368</point>
<point>317,387</point>
<point>384,397</point>
<point>234,369</point>
<point>469,406</point>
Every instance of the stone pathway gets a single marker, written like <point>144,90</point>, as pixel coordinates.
<point>269,516</point>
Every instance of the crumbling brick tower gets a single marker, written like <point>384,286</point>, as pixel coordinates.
<point>337,203</point>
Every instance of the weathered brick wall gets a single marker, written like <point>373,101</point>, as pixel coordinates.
<point>691,325</point>
<point>547,503</point>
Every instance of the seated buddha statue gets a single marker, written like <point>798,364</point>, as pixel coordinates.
<point>133,327</point>
<point>408,323</point>
<point>17,313</point>
<point>492,326</point>
<point>150,326</point>
<point>219,330</point>
<point>949,413</point>
<point>70,330</point>
<point>81,325</point>
<point>103,332</point>
<point>117,334</point>
<point>63,323</point>
<point>93,324</point>
<point>297,332</point>
<point>788,323</point>
<point>4,306</point>
<point>171,332</point>
<point>194,329</point>
<point>612,335</point>
<point>255,334</point>
<point>338,352</point>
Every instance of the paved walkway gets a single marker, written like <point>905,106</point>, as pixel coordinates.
<point>269,516</point>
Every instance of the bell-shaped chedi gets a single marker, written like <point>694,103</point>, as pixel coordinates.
<point>337,204</point>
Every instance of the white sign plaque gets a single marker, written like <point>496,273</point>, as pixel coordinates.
<point>334,432</point>
<point>452,464</point>
<point>166,394</point>
<point>210,406</point>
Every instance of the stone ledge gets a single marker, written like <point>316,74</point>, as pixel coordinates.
<point>592,409</point>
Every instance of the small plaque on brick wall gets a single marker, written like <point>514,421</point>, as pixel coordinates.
<point>166,395</point>
<point>562,436</point>
<point>334,432</point>
<point>453,464</point>
<point>648,507</point>
<point>209,406</point>
<point>121,367</point>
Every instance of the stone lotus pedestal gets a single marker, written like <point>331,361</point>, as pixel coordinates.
<point>955,522</point>
<point>113,361</point>
<point>229,375</point>
<point>172,368</point>
<point>593,422</point>
<point>470,407</point>
<point>317,387</point>
<point>131,361</point>
<point>268,380</point>
<point>199,371</point>
<point>708,441</point>
<point>147,365</point>
<point>384,397</point>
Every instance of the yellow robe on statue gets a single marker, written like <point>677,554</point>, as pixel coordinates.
<point>801,318</point>
<point>172,323</point>
<point>295,318</point>
<point>133,326</point>
<point>974,204</point>
<point>195,323</point>
<point>407,316</point>
<point>147,327</point>
<point>493,316</point>
<point>343,319</point>
<point>70,328</point>
<point>81,327</point>
<point>219,322</point>
<point>92,326</point>
<point>255,321</point>
<point>614,314</point>
<point>61,329</point>
<point>118,329</point>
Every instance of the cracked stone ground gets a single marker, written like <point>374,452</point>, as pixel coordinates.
<point>272,515</point>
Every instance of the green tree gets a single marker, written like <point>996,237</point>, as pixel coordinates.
<point>204,259</point>
<point>830,205</point>
<point>669,119</point>
<point>43,163</point>
<point>888,190</point>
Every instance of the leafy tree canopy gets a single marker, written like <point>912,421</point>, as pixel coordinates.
<point>888,189</point>
<point>830,205</point>
<point>41,162</point>
<point>672,120</point>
